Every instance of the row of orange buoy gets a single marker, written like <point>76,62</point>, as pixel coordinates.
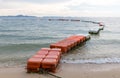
<point>45,58</point>
<point>77,20</point>
<point>68,43</point>
<point>48,58</point>
<point>64,19</point>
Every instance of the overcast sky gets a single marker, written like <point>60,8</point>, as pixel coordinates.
<point>94,8</point>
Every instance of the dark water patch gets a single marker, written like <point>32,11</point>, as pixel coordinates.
<point>39,38</point>
<point>11,31</point>
<point>14,48</point>
<point>10,36</point>
<point>22,37</point>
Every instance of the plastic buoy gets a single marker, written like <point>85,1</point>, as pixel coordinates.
<point>101,24</point>
<point>42,52</point>
<point>33,64</point>
<point>39,56</point>
<point>47,59</point>
<point>49,64</point>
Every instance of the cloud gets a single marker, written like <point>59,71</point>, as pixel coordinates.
<point>60,7</point>
<point>23,4</point>
<point>98,2</point>
<point>89,7</point>
<point>14,8</point>
<point>38,1</point>
<point>96,8</point>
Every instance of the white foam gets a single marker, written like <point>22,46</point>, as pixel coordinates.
<point>96,61</point>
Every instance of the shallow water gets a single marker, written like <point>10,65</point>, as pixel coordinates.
<point>20,38</point>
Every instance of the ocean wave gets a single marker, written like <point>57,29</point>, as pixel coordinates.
<point>92,61</point>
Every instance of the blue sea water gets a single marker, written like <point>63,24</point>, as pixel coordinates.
<point>22,37</point>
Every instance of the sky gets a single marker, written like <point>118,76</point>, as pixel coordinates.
<point>85,8</point>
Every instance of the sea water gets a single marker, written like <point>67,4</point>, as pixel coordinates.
<point>22,37</point>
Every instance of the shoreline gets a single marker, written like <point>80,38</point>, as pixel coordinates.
<point>67,71</point>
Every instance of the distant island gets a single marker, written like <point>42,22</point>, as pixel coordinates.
<point>18,16</point>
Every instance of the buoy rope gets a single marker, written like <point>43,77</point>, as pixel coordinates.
<point>42,71</point>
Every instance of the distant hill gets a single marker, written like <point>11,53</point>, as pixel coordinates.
<point>19,16</point>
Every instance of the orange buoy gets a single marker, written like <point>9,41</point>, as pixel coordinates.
<point>48,58</point>
<point>39,56</point>
<point>33,64</point>
<point>49,64</point>
<point>42,52</point>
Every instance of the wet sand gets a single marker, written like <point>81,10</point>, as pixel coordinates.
<point>68,71</point>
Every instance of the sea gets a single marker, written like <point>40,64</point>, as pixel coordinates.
<point>22,37</point>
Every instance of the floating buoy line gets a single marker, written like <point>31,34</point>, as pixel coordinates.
<point>101,27</point>
<point>92,32</point>
<point>46,60</point>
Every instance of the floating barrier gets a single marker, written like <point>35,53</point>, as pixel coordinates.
<point>39,56</point>
<point>94,31</point>
<point>47,59</point>
<point>87,36</point>
<point>62,19</point>
<point>34,64</point>
<point>42,52</point>
<point>49,64</point>
<point>101,27</point>
<point>101,24</point>
<point>69,43</point>
<point>75,20</point>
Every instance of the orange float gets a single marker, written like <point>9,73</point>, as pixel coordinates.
<point>39,56</point>
<point>49,64</point>
<point>42,52</point>
<point>48,58</point>
<point>33,64</point>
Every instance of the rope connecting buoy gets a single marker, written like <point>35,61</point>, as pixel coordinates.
<point>42,71</point>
